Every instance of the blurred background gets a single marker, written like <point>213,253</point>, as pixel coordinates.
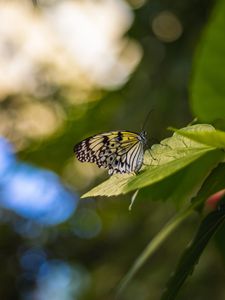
<point>70,69</point>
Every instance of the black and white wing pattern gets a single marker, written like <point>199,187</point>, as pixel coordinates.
<point>117,151</point>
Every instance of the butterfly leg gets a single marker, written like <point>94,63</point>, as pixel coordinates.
<point>149,150</point>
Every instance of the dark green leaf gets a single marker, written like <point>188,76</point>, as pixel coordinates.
<point>190,257</point>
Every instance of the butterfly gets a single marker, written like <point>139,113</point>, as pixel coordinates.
<point>118,151</point>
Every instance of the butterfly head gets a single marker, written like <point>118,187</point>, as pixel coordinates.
<point>144,138</point>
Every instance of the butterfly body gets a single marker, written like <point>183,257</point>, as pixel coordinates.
<point>118,151</point>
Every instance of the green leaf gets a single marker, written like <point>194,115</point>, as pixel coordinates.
<point>208,88</point>
<point>208,136</point>
<point>170,156</point>
<point>191,255</point>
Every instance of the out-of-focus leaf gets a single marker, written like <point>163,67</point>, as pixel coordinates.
<point>170,156</point>
<point>152,246</point>
<point>211,185</point>
<point>220,242</point>
<point>191,255</point>
<point>208,89</point>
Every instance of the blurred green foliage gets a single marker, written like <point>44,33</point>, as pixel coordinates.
<point>207,91</point>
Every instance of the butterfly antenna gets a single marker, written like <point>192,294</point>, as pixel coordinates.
<point>146,119</point>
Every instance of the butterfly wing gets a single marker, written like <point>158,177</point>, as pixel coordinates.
<point>117,151</point>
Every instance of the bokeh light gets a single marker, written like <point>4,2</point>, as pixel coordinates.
<point>167,27</point>
<point>33,193</point>
<point>87,173</point>
<point>59,281</point>
<point>31,260</point>
<point>28,228</point>
<point>7,159</point>
<point>57,45</point>
<point>135,4</point>
<point>87,223</point>
<point>53,278</point>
